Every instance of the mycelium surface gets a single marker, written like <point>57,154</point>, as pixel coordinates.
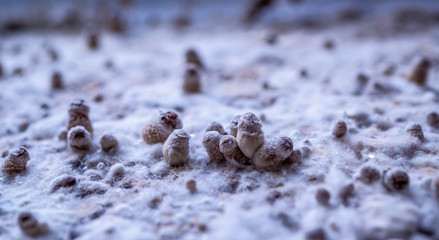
<point>297,86</point>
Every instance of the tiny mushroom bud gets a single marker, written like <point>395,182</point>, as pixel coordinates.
<point>159,129</point>
<point>192,57</point>
<point>63,181</point>
<point>79,139</point>
<point>108,142</point>
<point>78,115</point>
<point>305,152</point>
<point>433,119</point>
<point>419,73</point>
<point>229,148</point>
<point>62,134</point>
<point>415,130</point>
<point>30,225</point>
<point>396,180</point>
<point>57,81</point>
<point>16,161</point>
<point>362,80</point>
<point>86,188</point>
<point>272,152</point>
<point>340,129</point>
<point>211,141</point>
<point>116,173</point>
<point>191,185</point>
<point>250,135</point>
<point>328,44</point>
<point>191,80</point>
<point>93,40</point>
<point>346,193</point>
<point>53,54</point>
<point>215,126</point>
<point>323,196</point>
<point>233,126</point>
<point>369,174</point>
<point>294,158</point>
<point>316,234</point>
<point>176,148</point>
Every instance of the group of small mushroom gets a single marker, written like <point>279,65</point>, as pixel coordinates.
<point>78,134</point>
<point>244,146</point>
<point>247,145</point>
<point>80,130</point>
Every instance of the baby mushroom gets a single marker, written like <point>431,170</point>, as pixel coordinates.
<point>229,148</point>
<point>215,126</point>
<point>57,81</point>
<point>233,126</point>
<point>79,139</point>
<point>30,225</point>
<point>108,142</point>
<point>294,158</point>
<point>415,130</point>
<point>192,57</point>
<point>419,74</point>
<point>433,119</point>
<point>323,196</point>
<point>346,193</point>
<point>191,80</point>
<point>16,161</point>
<point>63,181</point>
<point>93,40</point>
<point>316,234</point>
<point>340,129</point>
<point>211,141</point>
<point>158,130</point>
<point>116,173</point>
<point>396,180</point>
<point>191,185</point>
<point>273,152</point>
<point>369,175</point>
<point>250,135</point>
<point>78,115</point>
<point>176,148</point>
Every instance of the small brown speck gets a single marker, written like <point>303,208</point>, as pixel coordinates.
<point>18,71</point>
<point>53,54</point>
<point>340,129</point>
<point>191,185</point>
<point>433,119</point>
<point>273,196</point>
<point>93,41</point>
<point>390,70</point>
<point>98,98</point>
<point>323,196</point>
<point>304,73</point>
<point>329,44</point>
<point>316,234</point>
<point>419,73</point>
<point>57,81</point>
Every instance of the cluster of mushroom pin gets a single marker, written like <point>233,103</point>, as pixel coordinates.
<point>246,145</point>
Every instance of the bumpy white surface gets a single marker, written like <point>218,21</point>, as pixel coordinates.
<point>151,201</point>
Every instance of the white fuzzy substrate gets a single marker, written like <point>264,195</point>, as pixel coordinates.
<point>229,203</point>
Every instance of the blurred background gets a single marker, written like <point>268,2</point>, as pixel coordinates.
<point>122,16</point>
